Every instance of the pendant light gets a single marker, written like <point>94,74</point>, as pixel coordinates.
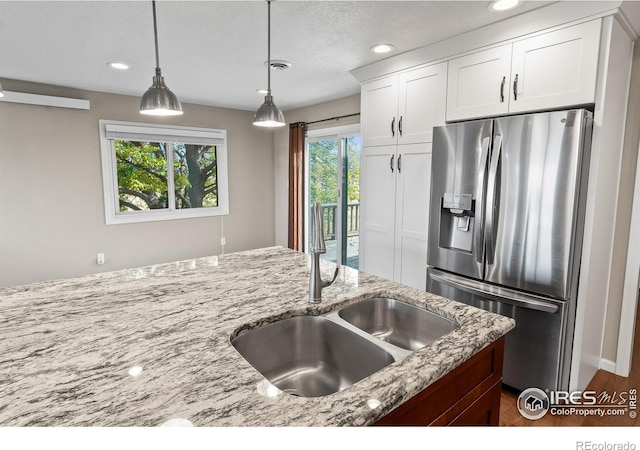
<point>159,100</point>
<point>269,115</point>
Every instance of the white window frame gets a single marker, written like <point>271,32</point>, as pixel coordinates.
<point>160,133</point>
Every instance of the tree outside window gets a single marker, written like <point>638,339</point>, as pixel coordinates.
<point>142,175</point>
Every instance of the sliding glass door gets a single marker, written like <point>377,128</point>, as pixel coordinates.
<point>332,165</point>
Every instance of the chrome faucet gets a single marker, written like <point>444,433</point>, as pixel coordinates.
<point>316,283</point>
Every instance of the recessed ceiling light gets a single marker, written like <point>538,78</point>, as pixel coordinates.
<point>503,5</point>
<point>382,48</point>
<point>118,65</point>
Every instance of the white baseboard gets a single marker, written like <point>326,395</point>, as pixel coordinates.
<point>608,365</point>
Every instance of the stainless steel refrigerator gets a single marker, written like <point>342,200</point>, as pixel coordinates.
<point>506,219</point>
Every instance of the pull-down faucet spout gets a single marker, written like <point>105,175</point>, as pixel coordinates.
<point>316,283</point>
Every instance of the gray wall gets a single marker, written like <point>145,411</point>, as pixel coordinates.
<point>51,201</point>
<point>334,108</point>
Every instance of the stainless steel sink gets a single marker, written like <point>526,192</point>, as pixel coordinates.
<point>398,323</point>
<point>310,356</point>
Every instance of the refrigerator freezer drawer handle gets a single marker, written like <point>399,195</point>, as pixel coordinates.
<point>503,295</point>
<point>480,201</point>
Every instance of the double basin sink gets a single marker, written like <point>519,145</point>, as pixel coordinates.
<point>314,356</point>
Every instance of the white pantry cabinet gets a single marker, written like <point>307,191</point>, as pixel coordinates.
<point>394,193</point>
<point>413,195</point>
<point>377,209</point>
<point>545,71</point>
<point>403,108</point>
<point>398,113</point>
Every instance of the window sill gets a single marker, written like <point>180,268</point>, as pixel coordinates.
<point>157,215</point>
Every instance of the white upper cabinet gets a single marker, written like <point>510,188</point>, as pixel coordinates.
<point>379,111</point>
<point>555,69</point>
<point>546,71</point>
<point>403,108</point>
<point>479,84</point>
<point>422,103</point>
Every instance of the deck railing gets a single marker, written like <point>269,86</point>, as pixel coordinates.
<point>329,220</point>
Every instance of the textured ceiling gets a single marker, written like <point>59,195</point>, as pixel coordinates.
<point>213,52</point>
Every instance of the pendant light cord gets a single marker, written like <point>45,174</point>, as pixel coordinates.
<point>269,47</point>
<point>155,34</point>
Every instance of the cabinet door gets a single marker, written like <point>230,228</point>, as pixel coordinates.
<point>555,69</point>
<point>478,84</point>
<point>422,103</point>
<point>412,214</point>
<point>379,117</point>
<point>377,209</point>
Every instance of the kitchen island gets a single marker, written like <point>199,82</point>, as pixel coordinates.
<point>141,347</point>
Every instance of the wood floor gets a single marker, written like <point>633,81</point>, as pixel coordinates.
<point>602,381</point>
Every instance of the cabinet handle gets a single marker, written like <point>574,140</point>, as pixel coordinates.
<point>391,163</point>
<point>515,88</point>
<point>504,80</point>
<point>399,163</point>
<point>400,129</point>
<point>393,127</point>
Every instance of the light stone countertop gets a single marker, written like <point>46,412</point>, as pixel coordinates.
<point>67,346</point>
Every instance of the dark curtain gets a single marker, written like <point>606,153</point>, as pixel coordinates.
<point>296,185</point>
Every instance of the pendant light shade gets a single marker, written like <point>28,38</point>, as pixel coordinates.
<point>159,100</point>
<point>269,115</point>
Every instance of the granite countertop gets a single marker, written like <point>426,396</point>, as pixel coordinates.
<point>67,347</point>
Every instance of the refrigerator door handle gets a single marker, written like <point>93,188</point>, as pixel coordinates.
<point>504,295</point>
<point>480,201</point>
<point>491,198</point>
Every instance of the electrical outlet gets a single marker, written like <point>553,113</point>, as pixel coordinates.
<point>223,241</point>
<point>100,259</point>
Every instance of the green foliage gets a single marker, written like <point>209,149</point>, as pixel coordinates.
<point>142,175</point>
<point>323,170</point>
<point>195,176</point>
<point>353,169</point>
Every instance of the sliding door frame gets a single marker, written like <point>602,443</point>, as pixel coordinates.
<point>339,133</point>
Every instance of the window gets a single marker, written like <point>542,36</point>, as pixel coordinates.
<point>157,172</point>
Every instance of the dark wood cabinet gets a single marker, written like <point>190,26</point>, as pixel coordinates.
<point>468,395</point>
